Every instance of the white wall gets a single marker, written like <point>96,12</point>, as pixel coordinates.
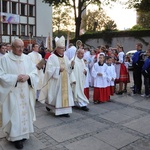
<point>128,43</point>
<point>44,19</point>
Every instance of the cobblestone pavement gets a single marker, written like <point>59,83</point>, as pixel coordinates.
<point>122,124</point>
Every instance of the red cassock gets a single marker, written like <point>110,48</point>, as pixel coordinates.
<point>112,90</point>
<point>101,94</point>
<point>86,92</point>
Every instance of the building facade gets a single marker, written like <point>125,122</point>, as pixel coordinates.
<point>26,19</point>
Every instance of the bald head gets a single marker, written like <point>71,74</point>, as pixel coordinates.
<point>80,53</point>
<point>17,47</point>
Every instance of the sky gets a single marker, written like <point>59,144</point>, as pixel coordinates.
<point>124,18</point>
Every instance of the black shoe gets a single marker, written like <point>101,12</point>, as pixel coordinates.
<point>48,109</point>
<point>84,108</point>
<point>23,140</point>
<point>65,115</point>
<point>19,144</point>
<point>119,93</point>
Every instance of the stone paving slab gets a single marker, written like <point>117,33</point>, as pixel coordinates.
<point>142,144</point>
<point>115,116</point>
<point>64,132</point>
<point>47,120</point>
<point>110,106</point>
<point>96,109</point>
<point>116,137</point>
<point>126,99</point>
<point>90,143</point>
<point>132,112</point>
<point>144,103</point>
<point>141,125</point>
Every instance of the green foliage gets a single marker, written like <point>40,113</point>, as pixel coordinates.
<point>137,27</point>
<point>143,19</point>
<point>140,5</point>
<point>62,20</point>
<point>78,6</point>
<point>110,26</point>
<point>97,20</point>
<point>64,33</point>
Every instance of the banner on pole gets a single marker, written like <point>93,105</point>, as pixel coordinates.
<point>9,18</point>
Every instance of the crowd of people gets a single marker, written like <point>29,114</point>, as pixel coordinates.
<point>61,80</point>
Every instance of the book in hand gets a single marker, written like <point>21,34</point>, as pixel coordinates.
<point>41,64</point>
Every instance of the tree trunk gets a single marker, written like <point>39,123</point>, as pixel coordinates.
<point>78,24</point>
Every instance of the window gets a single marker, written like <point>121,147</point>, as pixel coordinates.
<point>5,28</point>
<point>4,6</point>
<point>30,10</point>
<point>14,10</point>
<point>23,9</point>
<point>23,27</point>
<point>31,28</point>
<point>14,29</point>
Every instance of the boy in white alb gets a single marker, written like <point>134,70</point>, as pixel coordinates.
<point>111,75</point>
<point>100,81</point>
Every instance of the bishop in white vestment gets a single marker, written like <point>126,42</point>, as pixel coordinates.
<point>18,81</point>
<point>56,92</point>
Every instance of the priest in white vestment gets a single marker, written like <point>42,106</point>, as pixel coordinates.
<point>71,51</point>
<point>36,58</point>
<point>80,72</point>
<point>56,92</point>
<point>2,50</point>
<point>18,78</point>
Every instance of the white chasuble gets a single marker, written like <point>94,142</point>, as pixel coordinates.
<point>56,92</point>
<point>17,98</point>
<point>78,88</point>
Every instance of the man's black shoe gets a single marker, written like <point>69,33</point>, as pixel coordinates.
<point>119,93</point>
<point>48,109</point>
<point>64,115</point>
<point>19,144</point>
<point>85,108</point>
<point>23,140</point>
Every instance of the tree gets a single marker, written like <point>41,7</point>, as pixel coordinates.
<point>97,21</point>
<point>79,6</point>
<point>137,27</point>
<point>62,20</point>
<point>143,19</point>
<point>110,25</point>
<point>143,11</point>
<point>139,5</point>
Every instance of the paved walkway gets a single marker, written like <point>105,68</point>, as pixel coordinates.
<point>123,124</point>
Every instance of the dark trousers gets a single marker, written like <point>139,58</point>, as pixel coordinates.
<point>137,77</point>
<point>146,83</point>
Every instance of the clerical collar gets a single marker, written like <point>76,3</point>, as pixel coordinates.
<point>100,64</point>
<point>108,64</point>
<point>15,57</point>
<point>58,54</point>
